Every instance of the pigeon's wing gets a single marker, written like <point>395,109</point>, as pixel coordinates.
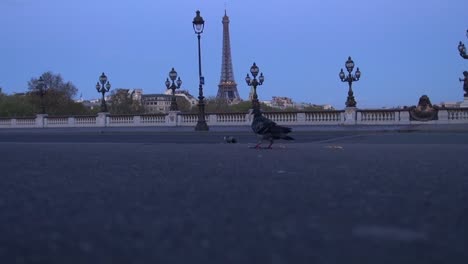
<point>279,131</point>
<point>262,125</point>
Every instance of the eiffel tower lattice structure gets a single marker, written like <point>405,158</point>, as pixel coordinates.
<point>227,88</point>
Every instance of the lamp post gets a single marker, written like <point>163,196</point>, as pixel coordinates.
<point>350,78</point>
<point>103,88</point>
<point>462,49</point>
<point>198,25</point>
<point>173,86</point>
<point>41,89</point>
<point>254,83</point>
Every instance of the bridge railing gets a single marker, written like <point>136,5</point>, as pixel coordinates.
<point>83,121</point>
<point>340,117</point>
<point>185,119</point>
<point>18,122</point>
<point>457,115</point>
<point>150,120</point>
<point>382,116</point>
<point>323,117</point>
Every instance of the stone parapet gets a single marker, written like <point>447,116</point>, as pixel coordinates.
<point>349,117</point>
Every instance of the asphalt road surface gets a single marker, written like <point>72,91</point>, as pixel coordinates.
<point>150,136</point>
<point>118,196</point>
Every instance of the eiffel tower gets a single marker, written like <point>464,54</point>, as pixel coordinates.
<point>227,88</point>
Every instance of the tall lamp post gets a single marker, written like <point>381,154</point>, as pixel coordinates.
<point>198,25</point>
<point>462,49</point>
<point>254,83</point>
<point>350,78</point>
<point>103,88</point>
<point>41,89</point>
<point>173,87</point>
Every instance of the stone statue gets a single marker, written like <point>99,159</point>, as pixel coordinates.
<point>424,111</point>
<point>465,83</point>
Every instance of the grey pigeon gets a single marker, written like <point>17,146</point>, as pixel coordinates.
<point>267,129</point>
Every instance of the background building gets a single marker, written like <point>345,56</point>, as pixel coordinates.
<point>185,94</point>
<point>156,103</point>
<point>282,102</point>
<point>161,102</point>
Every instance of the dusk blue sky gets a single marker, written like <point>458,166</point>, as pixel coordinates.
<point>404,48</point>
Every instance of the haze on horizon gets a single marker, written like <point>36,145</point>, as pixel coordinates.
<point>404,49</point>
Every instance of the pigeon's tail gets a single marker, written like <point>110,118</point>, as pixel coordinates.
<point>287,138</point>
<point>280,129</point>
<point>287,130</point>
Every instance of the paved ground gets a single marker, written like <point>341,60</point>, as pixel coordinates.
<point>118,196</point>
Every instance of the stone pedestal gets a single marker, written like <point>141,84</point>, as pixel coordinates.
<point>212,120</point>
<point>249,117</point>
<point>350,116</point>
<point>301,118</point>
<point>442,116</point>
<point>102,119</point>
<point>464,104</point>
<point>41,120</point>
<point>404,117</point>
<point>171,118</point>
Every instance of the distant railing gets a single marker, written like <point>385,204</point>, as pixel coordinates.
<point>282,117</point>
<point>381,116</point>
<point>120,120</point>
<point>5,122</point>
<point>331,117</point>
<point>231,118</point>
<point>342,117</point>
<point>153,119</point>
<point>81,121</point>
<point>184,119</point>
<point>57,121</point>
<point>188,118</point>
<point>457,115</point>
<point>24,122</point>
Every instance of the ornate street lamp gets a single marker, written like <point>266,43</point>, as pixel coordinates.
<point>350,78</point>
<point>254,83</point>
<point>103,88</point>
<point>173,87</point>
<point>462,49</point>
<point>198,26</point>
<point>41,88</point>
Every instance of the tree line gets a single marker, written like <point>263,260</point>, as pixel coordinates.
<point>59,94</point>
<point>58,99</point>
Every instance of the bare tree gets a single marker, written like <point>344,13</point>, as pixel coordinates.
<point>54,82</point>
<point>58,96</point>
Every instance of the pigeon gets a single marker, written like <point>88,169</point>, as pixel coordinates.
<point>268,130</point>
<point>230,139</point>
